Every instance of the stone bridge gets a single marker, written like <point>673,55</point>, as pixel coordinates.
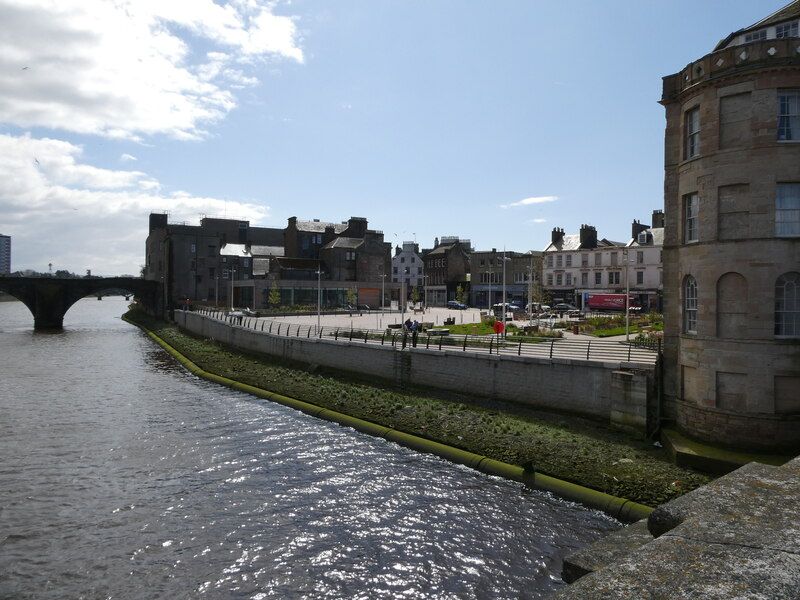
<point>49,298</point>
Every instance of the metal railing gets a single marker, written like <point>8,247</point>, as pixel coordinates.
<point>513,345</point>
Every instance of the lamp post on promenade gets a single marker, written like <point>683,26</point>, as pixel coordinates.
<point>233,277</point>
<point>504,290</point>
<point>627,297</point>
<point>319,295</point>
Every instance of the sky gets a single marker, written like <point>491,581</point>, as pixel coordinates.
<point>491,121</point>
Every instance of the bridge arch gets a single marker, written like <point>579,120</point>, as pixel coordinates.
<point>49,298</point>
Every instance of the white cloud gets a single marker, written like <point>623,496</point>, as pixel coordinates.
<point>127,157</point>
<point>58,209</point>
<point>529,201</point>
<point>120,69</point>
<point>538,221</point>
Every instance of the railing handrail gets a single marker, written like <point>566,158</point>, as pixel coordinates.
<point>590,349</point>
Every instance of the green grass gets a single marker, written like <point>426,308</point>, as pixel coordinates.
<point>571,449</point>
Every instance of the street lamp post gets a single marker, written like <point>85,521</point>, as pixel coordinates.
<point>627,296</point>
<point>424,293</point>
<point>530,291</point>
<point>233,277</point>
<point>383,287</point>
<point>319,295</point>
<point>504,290</point>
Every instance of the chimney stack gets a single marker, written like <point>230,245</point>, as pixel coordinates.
<point>588,236</point>
<point>658,219</point>
<point>637,228</point>
<point>557,236</point>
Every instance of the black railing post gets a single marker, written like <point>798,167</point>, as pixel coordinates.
<point>464,349</point>
<point>588,346</point>
<point>491,342</point>
<point>336,335</point>
<point>552,343</point>
<point>519,350</point>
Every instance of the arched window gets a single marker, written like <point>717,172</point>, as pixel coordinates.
<point>690,305</point>
<point>787,305</point>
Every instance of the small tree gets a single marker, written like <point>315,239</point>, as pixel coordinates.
<point>351,296</point>
<point>274,296</point>
<point>415,294</point>
<point>460,294</point>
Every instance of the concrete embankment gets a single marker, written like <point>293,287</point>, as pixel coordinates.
<point>618,393</point>
<point>620,508</point>
<point>737,537</point>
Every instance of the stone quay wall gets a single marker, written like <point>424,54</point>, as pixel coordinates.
<point>615,391</point>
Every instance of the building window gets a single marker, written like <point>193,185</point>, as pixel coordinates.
<point>639,277</point>
<point>245,262</point>
<point>690,305</point>
<point>598,259</point>
<point>614,259</point>
<point>569,260</point>
<point>613,278</point>
<point>584,279</point>
<point>549,279</point>
<point>584,260</point>
<point>306,243</point>
<point>483,262</point>
<point>402,259</point>
<point>559,279</point>
<point>568,279</point>
<point>755,36</point>
<point>394,271</point>
<point>692,133</point>
<point>212,251</point>
<point>640,256</point>
<point>550,261</point>
<point>194,248</point>
<point>598,278</point>
<point>786,30</point>
<point>789,114</point>
<point>316,238</point>
<point>559,261</point>
<point>225,273</point>
<point>413,259</point>
<point>691,205</point>
<point>787,305</point>
<point>787,210</point>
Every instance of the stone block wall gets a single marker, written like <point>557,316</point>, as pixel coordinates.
<point>584,388</point>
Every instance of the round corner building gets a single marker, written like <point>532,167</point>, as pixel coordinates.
<point>732,246</point>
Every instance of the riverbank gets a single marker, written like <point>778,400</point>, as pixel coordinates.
<point>570,449</point>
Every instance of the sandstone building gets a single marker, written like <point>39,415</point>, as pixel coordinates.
<point>732,239</point>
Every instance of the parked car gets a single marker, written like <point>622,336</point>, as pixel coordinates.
<point>564,307</point>
<point>537,307</point>
<point>456,305</point>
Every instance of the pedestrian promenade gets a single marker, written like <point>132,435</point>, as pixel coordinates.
<point>385,328</point>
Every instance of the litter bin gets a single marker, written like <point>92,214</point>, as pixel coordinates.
<point>575,329</point>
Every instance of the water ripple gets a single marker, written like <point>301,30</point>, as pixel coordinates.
<point>124,478</point>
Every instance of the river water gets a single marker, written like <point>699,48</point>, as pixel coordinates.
<point>123,476</point>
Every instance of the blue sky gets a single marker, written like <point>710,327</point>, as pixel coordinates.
<point>494,122</point>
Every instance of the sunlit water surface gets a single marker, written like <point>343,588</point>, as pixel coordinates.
<point>123,476</point>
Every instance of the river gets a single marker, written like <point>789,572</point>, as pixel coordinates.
<point>125,477</point>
